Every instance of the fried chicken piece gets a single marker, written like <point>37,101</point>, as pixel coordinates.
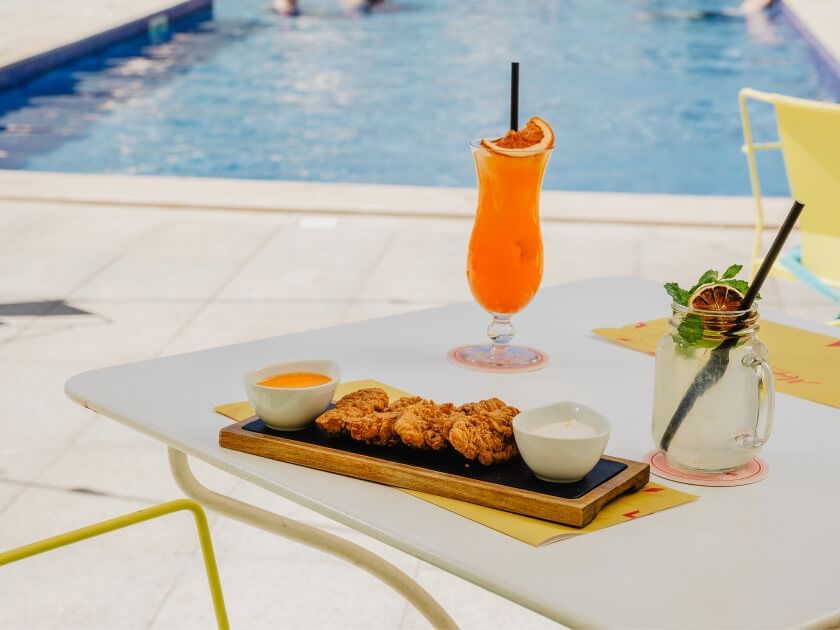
<point>479,431</point>
<point>425,425</point>
<point>487,406</point>
<point>368,400</point>
<point>332,421</point>
<point>405,402</point>
<point>352,407</point>
<point>375,428</point>
<point>484,431</point>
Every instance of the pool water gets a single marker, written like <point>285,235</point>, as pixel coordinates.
<point>642,94</point>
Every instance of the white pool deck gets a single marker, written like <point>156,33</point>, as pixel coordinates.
<point>64,24</point>
<point>169,265</point>
<point>822,19</point>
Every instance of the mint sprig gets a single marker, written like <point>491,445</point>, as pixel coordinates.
<point>731,272</point>
<point>681,296</point>
<point>689,333</point>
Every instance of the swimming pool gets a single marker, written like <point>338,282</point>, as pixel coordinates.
<point>641,94</point>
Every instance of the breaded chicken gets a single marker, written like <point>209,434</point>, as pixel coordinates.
<point>375,428</point>
<point>425,425</point>
<point>352,407</point>
<point>483,431</point>
<point>379,427</point>
<point>480,431</point>
<point>405,402</point>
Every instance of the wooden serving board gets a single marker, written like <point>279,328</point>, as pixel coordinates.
<point>510,486</point>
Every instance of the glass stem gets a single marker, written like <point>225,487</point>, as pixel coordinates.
<point>500,332</point>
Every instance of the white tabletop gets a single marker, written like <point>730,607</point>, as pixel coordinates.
<point>764,555</point>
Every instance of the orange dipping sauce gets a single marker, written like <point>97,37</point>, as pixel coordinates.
<point>295,379</point>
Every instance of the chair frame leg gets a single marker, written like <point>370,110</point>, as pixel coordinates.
<point>127,520</point>
<point>311,536</point>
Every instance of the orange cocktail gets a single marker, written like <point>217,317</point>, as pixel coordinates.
<point>505,259</point>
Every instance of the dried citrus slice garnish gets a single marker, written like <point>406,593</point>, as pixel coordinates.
<point>716,297</point>
<point>536,135</point>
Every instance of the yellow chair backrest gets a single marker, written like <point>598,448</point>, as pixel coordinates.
<point>809,133</point>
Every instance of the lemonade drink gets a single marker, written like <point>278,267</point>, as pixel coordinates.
<point>713,390</point>
<point>716,433</point>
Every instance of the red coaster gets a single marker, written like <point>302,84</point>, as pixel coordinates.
<point>752,471</point>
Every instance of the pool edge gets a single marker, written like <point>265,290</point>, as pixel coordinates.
<point>827,61</point>
<point>24,69</point>
<point>141,192</point>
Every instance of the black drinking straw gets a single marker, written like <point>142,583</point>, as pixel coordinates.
<point>514,95</point>
<point>714,369</point>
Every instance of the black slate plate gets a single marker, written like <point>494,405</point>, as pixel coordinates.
<point>514,474</point>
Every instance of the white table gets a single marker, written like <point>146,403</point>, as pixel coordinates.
<point>764,555</point>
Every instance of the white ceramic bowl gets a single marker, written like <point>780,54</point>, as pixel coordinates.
<point>566,458</point>
<point>291,408</point>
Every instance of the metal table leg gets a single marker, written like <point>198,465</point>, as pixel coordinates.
<point>312,536</point>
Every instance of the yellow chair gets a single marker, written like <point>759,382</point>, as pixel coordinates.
<point>809,139</point>
<point>77,535</point>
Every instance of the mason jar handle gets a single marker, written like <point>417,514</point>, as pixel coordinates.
<point>766,402</point>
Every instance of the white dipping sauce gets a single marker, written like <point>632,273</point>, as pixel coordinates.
<point>566,429</point>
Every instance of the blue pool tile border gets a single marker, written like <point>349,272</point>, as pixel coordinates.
<point>20,71</point>
<point>828,64</point>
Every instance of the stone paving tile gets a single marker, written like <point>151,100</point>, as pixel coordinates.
<point>310,264</point>
<point>13,223</point>
<point>408,284</point>
<point>114,581</point>
<point>231,534</point>
<point>115,332</point>
<point>109,458</point>
<point>53,257</point>
<point>472,607</point>
<point>238,540</point>
<point>222,323</point>
<point>11,327</point>
<point>60,511</point>
<point>425,261</point>
<point>182,259</point>
<point>37,421</point>
<point>20,325</point>
<point>253,494</point>
<point>308,592</point>
<point>575,251</point>
<point>9,492</point>
<point>681,255</point>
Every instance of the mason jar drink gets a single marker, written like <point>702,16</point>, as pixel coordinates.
<point>713,392</point>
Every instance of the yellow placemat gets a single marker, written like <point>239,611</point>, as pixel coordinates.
<point>805,364</point>
<point>652,498</point>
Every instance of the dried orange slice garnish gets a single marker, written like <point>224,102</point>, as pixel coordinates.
<point>716,297</point>
<point>536,135</point>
